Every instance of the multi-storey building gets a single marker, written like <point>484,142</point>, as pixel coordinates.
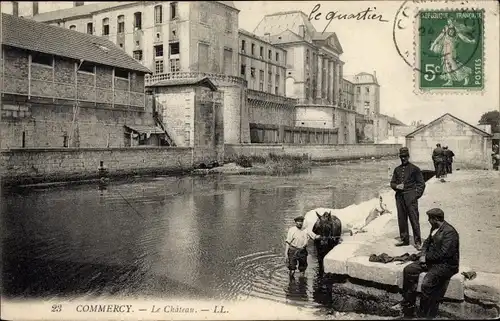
<point>314,71</point>
<point>262,64</point>
<point>366,93</point>
<point>165,36</point>
<point>347,94</point>
<point>62,88</point>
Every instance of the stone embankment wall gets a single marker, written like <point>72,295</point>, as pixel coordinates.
<point>315,152</point>
<point>22,166</point>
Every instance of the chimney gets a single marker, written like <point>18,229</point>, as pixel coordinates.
<point>15,8</point>
<point>375,73</point>
<point>267,37</point>
<point>302,31</point>
<point>35,8</point>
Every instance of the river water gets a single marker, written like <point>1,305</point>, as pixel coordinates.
<point>204,237</point>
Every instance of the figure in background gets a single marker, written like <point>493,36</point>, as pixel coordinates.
<point>440,259</point>
<point>437,158</point>
<point>408,183</point>
<point>495,157</point>
<point>448,157</point>
<point>296,247</point>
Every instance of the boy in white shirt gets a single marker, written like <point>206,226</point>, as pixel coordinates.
<point>296,246</point>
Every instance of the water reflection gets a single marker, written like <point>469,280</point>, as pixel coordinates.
<point>192,237</point>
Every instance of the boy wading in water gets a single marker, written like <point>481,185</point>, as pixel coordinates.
<point>296,247</point>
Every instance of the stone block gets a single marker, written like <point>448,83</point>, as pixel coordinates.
<point>361,268</point>
<point>335,261</point>
<point>485,288</point>
<point>455,287</point>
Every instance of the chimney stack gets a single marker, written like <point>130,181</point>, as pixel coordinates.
<point>267,37</point>
<point>15,8</point>
<point>35,8</point>
<point>302,31</point>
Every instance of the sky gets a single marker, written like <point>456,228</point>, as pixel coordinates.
<point>368,45</point>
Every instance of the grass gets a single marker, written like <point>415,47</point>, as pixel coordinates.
<point>274,164</point>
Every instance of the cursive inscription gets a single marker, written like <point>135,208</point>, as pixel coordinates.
<point>367,14</point>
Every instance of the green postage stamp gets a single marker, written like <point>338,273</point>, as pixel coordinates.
<point>450,50</point>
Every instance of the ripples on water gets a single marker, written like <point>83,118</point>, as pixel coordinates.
<point>219,237</point>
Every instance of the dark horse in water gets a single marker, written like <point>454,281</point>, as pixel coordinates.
<point>329,228</point>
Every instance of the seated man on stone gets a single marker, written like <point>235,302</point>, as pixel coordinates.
<point>440,259</point>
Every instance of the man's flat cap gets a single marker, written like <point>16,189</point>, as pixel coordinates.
<point>435,212</point>
<point>299,219</point>
<point>403,151</point>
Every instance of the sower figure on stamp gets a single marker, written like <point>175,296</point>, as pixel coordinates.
<point>440,259</point>
<point>437,158</point>
<point>408,182</point>
<point>296,246</point>
<point>448,156</point>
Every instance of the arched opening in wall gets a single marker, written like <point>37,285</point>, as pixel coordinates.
<point>290,87</point>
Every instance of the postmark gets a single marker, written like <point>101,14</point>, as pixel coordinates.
<point>443,43</point>
<point>450,50</point>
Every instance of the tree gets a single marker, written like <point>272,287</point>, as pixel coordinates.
<point>491,118</point>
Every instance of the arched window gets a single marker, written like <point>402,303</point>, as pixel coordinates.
<point>72,27</point>
<point>105,26</point>
<point>138,21</point>
<point>121,24</point>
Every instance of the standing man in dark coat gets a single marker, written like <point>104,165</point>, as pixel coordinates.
<point>437,158</point>
<point>408,182</point>
<point>440,258</point>
<point>448,155</point>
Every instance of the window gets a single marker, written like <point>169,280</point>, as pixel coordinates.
<point>276,90</point>
<point>87,67</point>
<point>261,52</point>
<point>41,59</point>
<point>307,56</point>
<point>72,27</point>
<point>253,49</point>
<point>358,90</point>
<point>277,79</point>
<point>175,65</point>
<point>138,55</point>
<point>138,21</point>
<point>277,56</point>
<point>121,24</point>
<point>269,54</point>
<point>105,26</point>
<point>158,50</point>
<point>174,48</point>
<point>261,77</point>
<point>261,86</point>
<point>90,28</point>
<point>252,72</point>
<point>243,69</point>
<point>159,66</point>
<point>269,82</point>
<point>229,21</point>
<point>243,45</point>
<point>158,14</point>
<point>173,10</point>
<point>203,14</point>
<point>367,90</point>
<point>367,104</point>
<point>121,73</point>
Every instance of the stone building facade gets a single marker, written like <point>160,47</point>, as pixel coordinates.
<point>366,93</point>
<point>78,95</point>
<point>314,72</point>
<point>192,111</point>
<point>347,94</point>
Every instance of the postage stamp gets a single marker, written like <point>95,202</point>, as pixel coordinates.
<point>449,50</point>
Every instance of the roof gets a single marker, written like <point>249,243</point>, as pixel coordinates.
<point>79,11</point>
<point>88,9</point>
<point>324,36</point>
<point>249,34</point>
<point>394,121</point>
<point>146,129</point>
<point>205,82</point>
<point>40,37</point>
<point>277,22</point>
<point>480,131</point>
